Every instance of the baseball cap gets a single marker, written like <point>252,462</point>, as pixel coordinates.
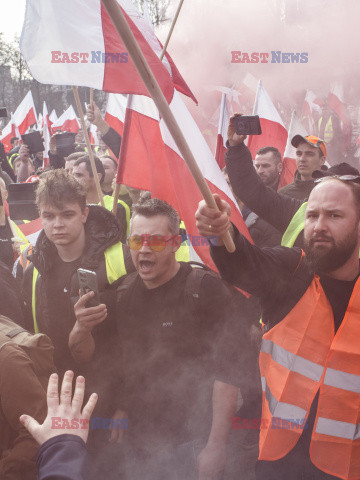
<point>337,170</point>
<point>311,140</point>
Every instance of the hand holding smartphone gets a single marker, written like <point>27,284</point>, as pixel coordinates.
<point>87,283</point>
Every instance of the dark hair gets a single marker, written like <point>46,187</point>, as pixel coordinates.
<point>152,207</point>
<point>111,158</point>
<point>273,150</point>
<point>57,187</point>
<point>74,156</point>
<point>99,166</point>
<point>12,140</point>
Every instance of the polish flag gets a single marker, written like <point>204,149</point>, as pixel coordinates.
<point>150,160</point>
<point>23,117</point>
<point>274,133</point>
<point>289,160</point>
<point>53,117</point>
<point>40,122</point>
<point>46,135</point>
<point>222,133</point>
<point>93,136</point>
<point>312,105</point>
<point>67,122</point>
<point>115,112</point>
<point>336,102</point>
<point>89,52</point>
<point>31,230</point>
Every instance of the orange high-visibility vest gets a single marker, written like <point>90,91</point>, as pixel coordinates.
<point>299,356</point>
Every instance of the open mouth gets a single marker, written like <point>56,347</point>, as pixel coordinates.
<point>145,266</point>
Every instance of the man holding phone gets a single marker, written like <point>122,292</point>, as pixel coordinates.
<point>73,236</point>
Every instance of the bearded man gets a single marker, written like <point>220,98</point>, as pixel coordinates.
<point>310,353</point>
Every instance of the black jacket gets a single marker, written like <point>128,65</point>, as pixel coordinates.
<point>273,207</point>
<point>299,189</point>
<point>102,231</point>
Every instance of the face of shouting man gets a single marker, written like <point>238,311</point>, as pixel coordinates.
<point>153,249</point>
<point>332,229</point>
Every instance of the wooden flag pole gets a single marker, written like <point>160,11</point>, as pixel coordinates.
<point>90,152</point>
<point>157,95</point>
<point>125,132</point>
<point>171,29</point>
<point>122,154</point>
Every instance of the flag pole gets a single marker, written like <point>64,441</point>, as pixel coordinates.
<point>171,29</point>
<point>91,154</point>
<point>122,154</point>
<point>157,95</point>
<point>126,128</point>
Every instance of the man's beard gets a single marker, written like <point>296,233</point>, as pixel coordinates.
<point>326,260</point>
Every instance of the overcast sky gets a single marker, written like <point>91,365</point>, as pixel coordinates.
<point>12,18</point>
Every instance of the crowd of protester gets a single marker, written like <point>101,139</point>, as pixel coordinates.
<point>170,347</point>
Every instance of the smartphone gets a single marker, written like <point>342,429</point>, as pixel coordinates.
<point>65,143</point>
<point>87,283</point>
<point>34,141</point>
<point>247,125</point>
<point>3,112</point>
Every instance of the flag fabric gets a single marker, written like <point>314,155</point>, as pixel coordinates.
<point>93,136</point>
<point>23,117</point>
<point>31,230</point>
<point>53,117</point>
<point>46,135</point>
<point>40,122</point>
<point>336,102</point>
<point>222,132</point>
<point>153,162</point>
<point>67,122</point>
<point>115,111</point>
<point>289,161</point>
<point>312,108</point>
<point>74,42</point>
<point>274,133</point>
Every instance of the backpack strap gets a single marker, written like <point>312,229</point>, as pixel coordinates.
<point>125,284</point>
<point>193,284</point>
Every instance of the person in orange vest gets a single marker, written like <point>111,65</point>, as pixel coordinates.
<point>310,352</point>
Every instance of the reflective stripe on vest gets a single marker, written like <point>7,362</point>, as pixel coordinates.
<point>115,268</point>
<point>295,227</point>
<point>299,356</point>
<point>109,202</point>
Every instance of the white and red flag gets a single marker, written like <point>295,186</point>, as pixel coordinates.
<point>222,132</point>
<point>31,230</point>
<point>289,160</point>
<point>74,42</point>
<point>23,117</point>
<point>93,136</point>
<point>67,122</point>
<point>336,102</point>
<point>274,133</point>
<point>311,112</point>
<point>115,111</point>
<point>150,160</point>
<point>53,117</point>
